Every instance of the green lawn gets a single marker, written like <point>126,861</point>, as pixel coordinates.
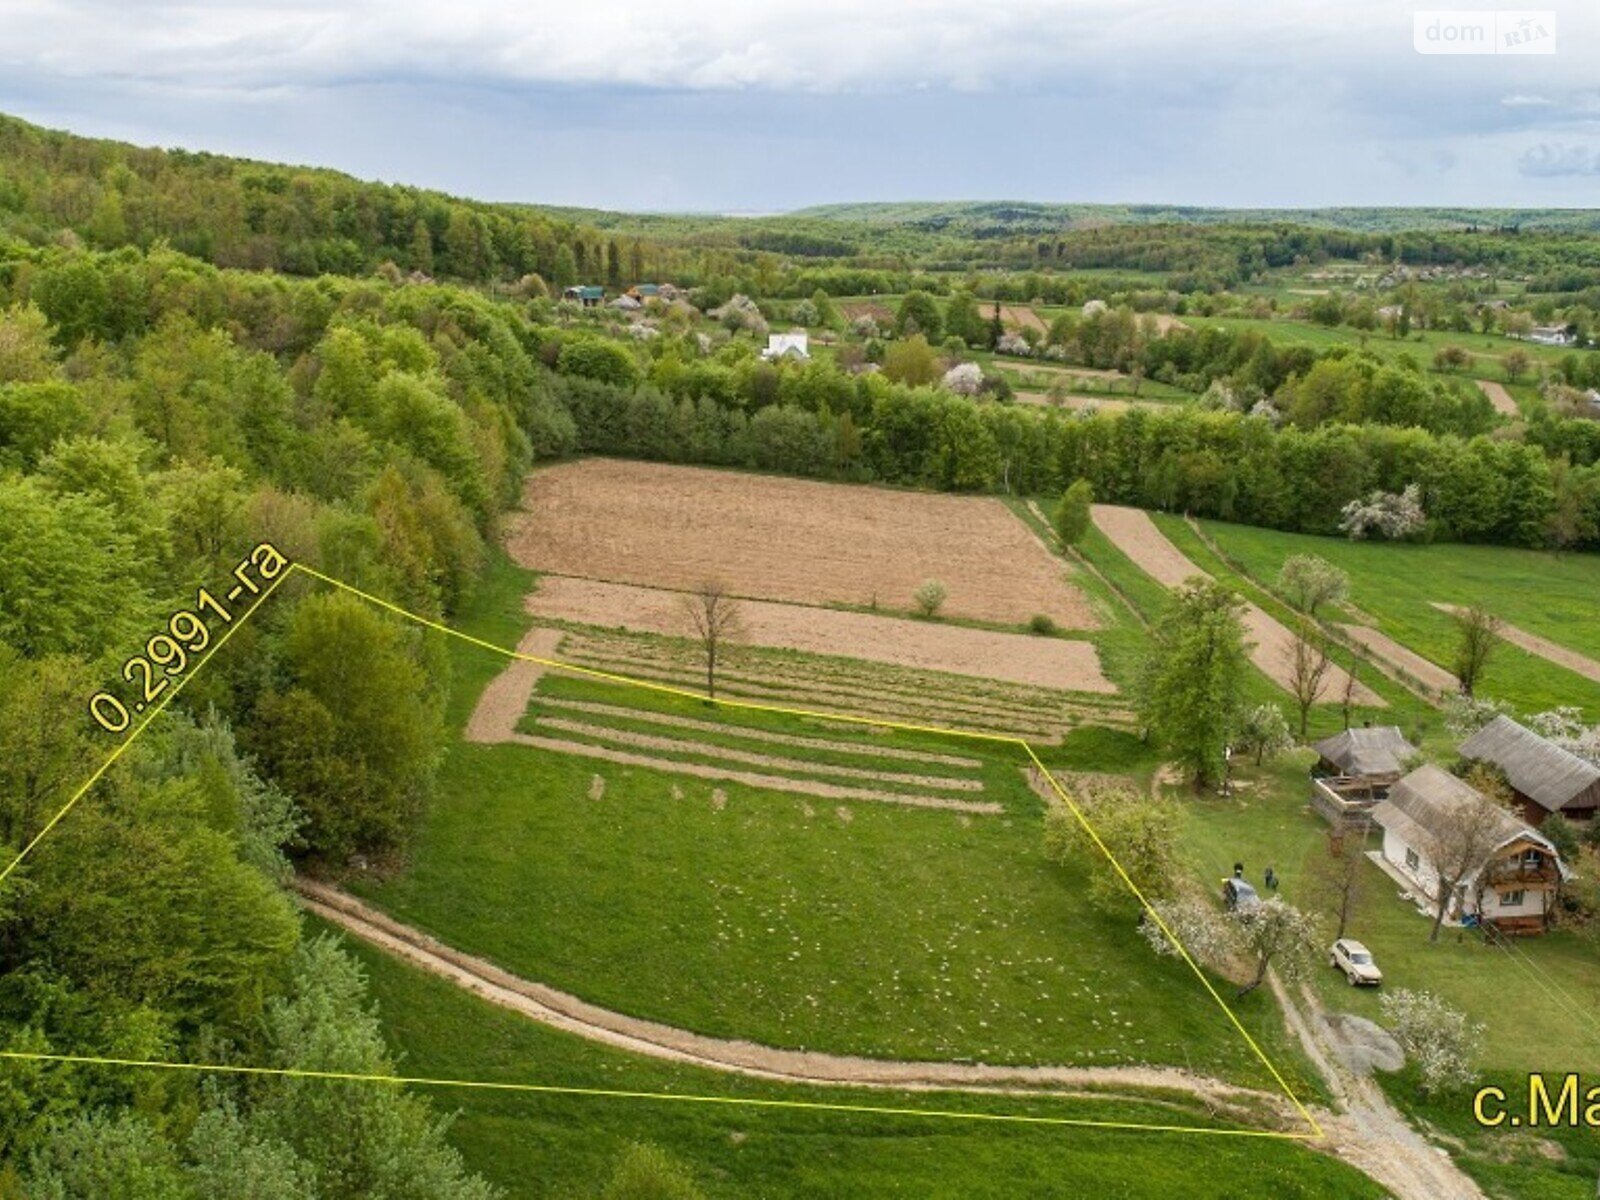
<point>1553,596</point>
<point>884,931</point>
<point>544,1147</point>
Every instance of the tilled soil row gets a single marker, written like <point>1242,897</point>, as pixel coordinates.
<point>863,749</point>
<point>867,685</point>
<point>588,732</point>
<point>755,779</point>
<point>844,702</point>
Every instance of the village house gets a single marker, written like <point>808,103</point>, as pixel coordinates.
<point>1544,778</point>
<point>589,297</point>
<point>1515,886</point>
<point>1354,771</point>
<point>787,345</point>
<point>1552,335</point>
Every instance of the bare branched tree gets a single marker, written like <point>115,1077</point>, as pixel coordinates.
<point>715,618</point>
<point>1308,666</point>
<point>1459,848</point>
<point>1336,877</point>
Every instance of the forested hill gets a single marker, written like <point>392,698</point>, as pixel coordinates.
<point>989,217</point>
<point>59,188</point>
<point>237,212</point>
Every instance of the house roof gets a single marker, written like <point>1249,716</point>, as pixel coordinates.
<point>1541,770</point>
<point>585,292</point>
<point>1382,750</point>
<point>1429,799</point>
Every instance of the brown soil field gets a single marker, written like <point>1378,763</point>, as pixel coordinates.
<point>881,313</point>
<point>1107,404</point>
<point>1165,322</point>
<point>788,539</point>
<point>1051,368</point>
<point>1500,398</point>
<point>1018,316</point>
<point>1018,658</point>
<point>1136,535</point>
<point>1383,647</point>
<point>1543,647</point>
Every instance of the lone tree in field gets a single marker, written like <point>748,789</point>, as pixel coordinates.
<point>1477,636</point>
<point>715,618</point>
<point>929,598</point>
<point>1308,582</point>
<point>1263,733</point>
<point>1070,519</point>
<point>1191,685</point>
<point>1309,662</point>
<point>1516,363</point>
<point>1140,831</point>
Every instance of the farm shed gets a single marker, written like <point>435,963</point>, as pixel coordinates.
<point>587,296</point>
<point>1544,778</point>
<point>1514,890</point>
<point>1354,770</point>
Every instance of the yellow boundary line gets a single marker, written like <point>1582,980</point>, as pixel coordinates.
<point>678,1097</point>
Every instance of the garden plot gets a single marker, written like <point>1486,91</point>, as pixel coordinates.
<point>1046,662</point>
<point>1502,400</point>
<point>1403,659</point>
<point>790,540</point>
<point>1136,535</point>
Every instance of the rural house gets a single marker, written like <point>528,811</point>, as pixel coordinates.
<point>1552,335</point>
<point>1513,889</point>
<point>787,345</point>
<point>585,295</point>
<point>1544,778</point>
<point>1354,770</point>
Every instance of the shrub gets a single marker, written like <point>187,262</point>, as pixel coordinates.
<point>1042,624</point>
<point>929,598</point>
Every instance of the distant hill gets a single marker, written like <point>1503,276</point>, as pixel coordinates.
<point>980,218</point>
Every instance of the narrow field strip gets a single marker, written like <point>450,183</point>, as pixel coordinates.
<point>1544,648</point>
<point>1403,659</point>
<point>854,690</point>
<point>865,684</point>
<point>896,641</point>
<point>563,1011</point>
<point>771,661</point>
<point>494,718</point>
<point>852,705</point>
<point>771,783</point>
<point>1133,532</point>
<point>644,741</point>
<point>1503,402</point>
<point>743,731</point>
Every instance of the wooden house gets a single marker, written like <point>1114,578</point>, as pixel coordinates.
<point>1544,778</point>
<point>1354,771</point>
<point>1514,889</point>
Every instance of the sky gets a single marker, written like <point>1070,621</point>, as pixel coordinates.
<point>770,105</point>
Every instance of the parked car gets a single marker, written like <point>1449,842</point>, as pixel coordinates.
<point>1237,894</point>
<point>1355,960</point>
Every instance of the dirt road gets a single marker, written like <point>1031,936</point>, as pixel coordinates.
<point>1370,1134</point>
<point>1136,535</point>
<point>566,1012</point>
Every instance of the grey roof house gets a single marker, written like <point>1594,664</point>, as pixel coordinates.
<point>1544,778</point>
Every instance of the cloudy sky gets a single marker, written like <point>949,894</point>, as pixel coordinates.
<point>764,105</point>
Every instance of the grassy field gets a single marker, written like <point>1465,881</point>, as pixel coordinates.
<point>543,1147</point>
<point>1487,350</point>
<point>864,928</point>
<point>1553,596</point>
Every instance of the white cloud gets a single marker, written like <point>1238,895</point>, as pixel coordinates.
<point>815,45</point>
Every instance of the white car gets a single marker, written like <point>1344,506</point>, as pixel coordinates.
<point>1355,960</point>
